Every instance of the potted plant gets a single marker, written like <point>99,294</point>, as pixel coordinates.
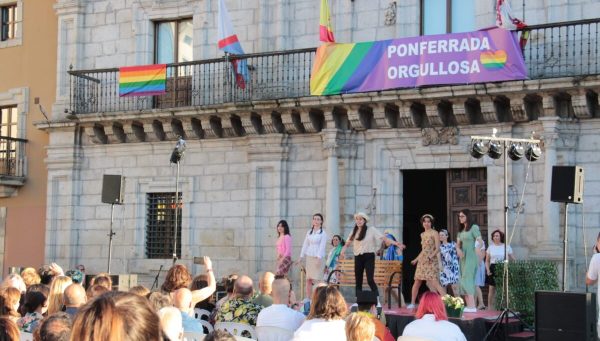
<point>454,306</point>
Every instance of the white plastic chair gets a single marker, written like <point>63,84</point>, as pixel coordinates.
<point>193,336</point>
<point>26,336</point>
<point>411,338</point>
<point>199,313</point>
<point>209,327</point>
<point>270,333</point>
<point>236,328</point>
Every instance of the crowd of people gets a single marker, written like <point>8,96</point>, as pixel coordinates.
<point>54,305</point>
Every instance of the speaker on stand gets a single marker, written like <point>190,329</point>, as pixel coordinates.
<point>112,193</point>
<point>567,187</point>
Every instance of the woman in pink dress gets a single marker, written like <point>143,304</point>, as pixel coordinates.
<point>284,248</point>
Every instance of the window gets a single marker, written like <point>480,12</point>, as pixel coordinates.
<point>174,41</point>
<point>8,18</point>
<point>8,141</point>
<point>160,222</point>
<point>446,16</point>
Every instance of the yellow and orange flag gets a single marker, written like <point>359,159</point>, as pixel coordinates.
<point>325,28</point>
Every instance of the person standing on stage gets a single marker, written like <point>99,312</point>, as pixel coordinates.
<point>313,252</point>
<point>332,258</point>
<point>592,276</point>
<point>428,261</point>
<point>469,233</point>
<point>493,256</point>
<point>365,241</point>
<point>449,273</point>
<point>284,248</point>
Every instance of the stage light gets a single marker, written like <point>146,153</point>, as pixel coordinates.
<point>178,151</point>
<point>533,152</point>
<point>478,149</point>
<point>516,151</point>
<point>495,150</point>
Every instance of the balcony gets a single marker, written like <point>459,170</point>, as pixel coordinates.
<point>203,101</point>
<point>12,165</point>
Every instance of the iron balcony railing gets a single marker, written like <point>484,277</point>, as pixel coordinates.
<point>553,50</point>
<point>12,157</point>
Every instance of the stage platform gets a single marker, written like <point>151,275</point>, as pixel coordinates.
<point>473,325</point>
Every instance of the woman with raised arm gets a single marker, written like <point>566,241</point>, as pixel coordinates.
<point>365,241</point>
<point>468,235</point>
<point>313,252</point>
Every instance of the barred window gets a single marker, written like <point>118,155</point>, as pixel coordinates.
<point>160,223</point>
<point>8,22</point>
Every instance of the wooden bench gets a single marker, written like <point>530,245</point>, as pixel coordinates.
<point>384,275</point>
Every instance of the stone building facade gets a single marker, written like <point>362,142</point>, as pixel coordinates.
<point>250,163</point>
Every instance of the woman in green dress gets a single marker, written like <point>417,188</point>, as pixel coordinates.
<point>468,235</point>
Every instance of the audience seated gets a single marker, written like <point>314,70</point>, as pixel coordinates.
<point>56,296</point>
<point>8,330</point>
<point>30,276</point>
<point>240,308</point>
<point>279,314</point>
<point>74,298</point>
<point>265,286</point>
<point>36,304</point>
<point>171,324</point>
<point>56,327</point>
<point>95,290</point>
<point>182,300</point>
<point>219,335</point>
<point>326,318</point>
<point>367,301</point>
<point>140,290</point>
<point>432,322</point>
<point>9,303</point>
<point>117,316</point>
<point>360,327</point>
<point>159,300</point>
<point>179,277</point>
<point>229,286</point>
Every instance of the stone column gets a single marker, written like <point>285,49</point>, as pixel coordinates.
<point>332,194</point>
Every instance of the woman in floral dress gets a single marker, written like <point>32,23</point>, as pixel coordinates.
<point>449,274</point>
<point>427,261</point>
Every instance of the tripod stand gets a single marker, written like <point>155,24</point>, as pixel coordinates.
<point>515,155</point>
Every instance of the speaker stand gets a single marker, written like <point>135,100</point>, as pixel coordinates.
<point>110,235</point>
<point>565,245</point>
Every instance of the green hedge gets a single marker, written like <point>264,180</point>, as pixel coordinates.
<point>524,279</point>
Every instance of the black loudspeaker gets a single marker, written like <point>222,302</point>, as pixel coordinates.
<point>567,184</point>
<point>112,189</point>
<point>565,316</point>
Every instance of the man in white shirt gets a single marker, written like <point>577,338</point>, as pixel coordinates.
<point>592,278</point>
<point>278,314</point>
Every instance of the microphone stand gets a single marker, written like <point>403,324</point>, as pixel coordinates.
<point>155,284</point>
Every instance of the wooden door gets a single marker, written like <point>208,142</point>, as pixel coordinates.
<point>467,188</point>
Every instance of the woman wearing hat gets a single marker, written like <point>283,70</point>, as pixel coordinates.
<point>365,241</point>
<point>428,269</point>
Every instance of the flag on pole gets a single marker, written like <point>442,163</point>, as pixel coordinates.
<point>144,80</point>
<point>228,42</point>
<point>506,20</point>
<point>325,28</point>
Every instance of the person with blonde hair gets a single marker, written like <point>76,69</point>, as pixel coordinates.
<point>9,305</point>
<point>30,276</point>
<point>117,316</point>
<point>359,327</point>
<point>139,290</point>
<point>265,287</point>
<point>102,279</point>
<point>326,318</point>
<point>56,298</point>
<point>15,281</point>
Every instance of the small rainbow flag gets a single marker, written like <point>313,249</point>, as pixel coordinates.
<point>325,28</point>
<point>144,80</point>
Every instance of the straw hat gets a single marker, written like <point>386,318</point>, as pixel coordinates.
<point>362,215</point>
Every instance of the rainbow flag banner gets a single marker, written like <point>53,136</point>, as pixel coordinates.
<point>459,58</point>
<point>144,80</point>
